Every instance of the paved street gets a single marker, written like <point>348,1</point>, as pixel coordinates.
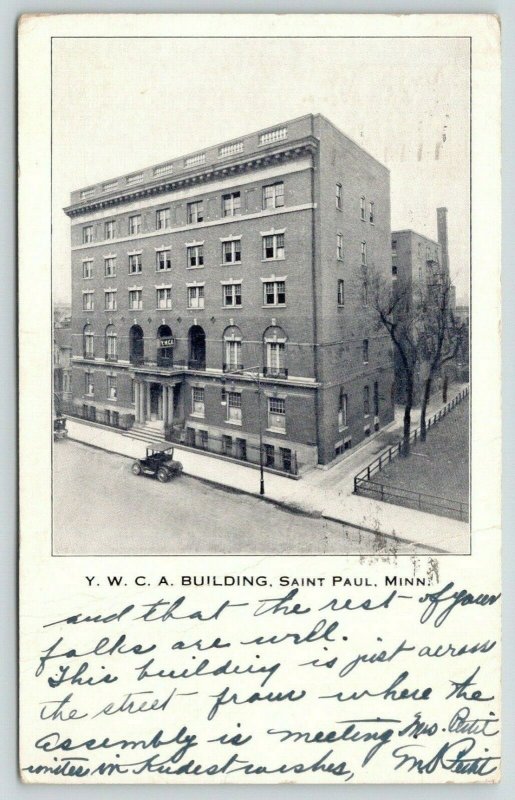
<point>100,508</point>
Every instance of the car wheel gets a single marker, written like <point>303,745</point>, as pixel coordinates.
<point>136,468</point>
<point>162,475</point>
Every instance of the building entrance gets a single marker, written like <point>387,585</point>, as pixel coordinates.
<point>156,404</point>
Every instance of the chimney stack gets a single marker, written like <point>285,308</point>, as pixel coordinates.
<point>441,217</point>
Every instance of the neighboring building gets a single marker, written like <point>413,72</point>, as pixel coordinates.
<point>462,314</point>
<point>62,366</point>
<point>249,255</point>
<point>420,265</point>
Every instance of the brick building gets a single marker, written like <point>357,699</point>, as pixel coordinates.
<point>62,364</point>
<point>420,264</point>
<point>193,277</point>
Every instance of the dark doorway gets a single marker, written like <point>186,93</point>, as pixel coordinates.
<point>164,346</point>
<point>137,351</point>
<point>155,401</point>
<point>197,342</point>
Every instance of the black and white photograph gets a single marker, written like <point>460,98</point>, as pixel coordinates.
<point>259,399</point>
<point>261,294</point>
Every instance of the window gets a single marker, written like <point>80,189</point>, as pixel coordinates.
<point>232,294</point>
<point>87,301</point>
<point>89,387</point>
<point>112,391</point>
<point>227,445</point>
<point>195,255</point>
<point>135,224</point>
<point>87,269</point>
<point>110,301</point>
<point>275,357</point>
<point>163,260</point>
<point>163,218</point>
<point>88,342</point>
<point>362,207</point>
<point>269,455</point>
<point>286,459</point>
<point>341,292</point>
<point>111,343</point>
<point>339,196</point>
<point>231,204</point>
<point>197,401</point>
<point>394,244</point>
<point>339,246</point>
<point>273,246</point>
<point>273,195</point>
<point>363,254</point>
<point>365,351</point>
<point>364,290</point>
<point>274,293</point>
<point>110,267</point>
<point>109,229</point>
<point>277,413</point>
<point>371,212</point>
<point>366,401</point>
<point>87,234</point>
<point>195,212</point>
<point>195,297</point>
<point>164,297</point>
<point>135,300</point>
<point>394,270</point>
<point>231,252</point>
<point>234,407</point>
<point>204,440</point>
<point>135,264</point>
<point>232,355</point>
<point>342,411</point>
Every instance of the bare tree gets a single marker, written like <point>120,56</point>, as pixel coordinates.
<point>400,317</point>
<point>440,340</point>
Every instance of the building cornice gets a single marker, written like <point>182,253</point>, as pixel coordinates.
<point>201,176</point>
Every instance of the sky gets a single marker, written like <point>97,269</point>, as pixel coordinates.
<point>123,104</point>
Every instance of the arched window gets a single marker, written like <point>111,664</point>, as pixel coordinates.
<point>197,347</point>
<point>232,349</point>
<point>136,341</point>
<point>165,344</point>
<point>111,344</point>
<point>88,342</point>
<point>275,341</point>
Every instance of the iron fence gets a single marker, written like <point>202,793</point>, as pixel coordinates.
<point>387,455</point>
<point>422,501</point>
<point>438,505</point>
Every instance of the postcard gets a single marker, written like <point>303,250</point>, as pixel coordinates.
<point>259,314</point>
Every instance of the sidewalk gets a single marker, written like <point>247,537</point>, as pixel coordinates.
<point>323,493</point>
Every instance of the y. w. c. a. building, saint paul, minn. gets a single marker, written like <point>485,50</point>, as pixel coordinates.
<point>227,291</point>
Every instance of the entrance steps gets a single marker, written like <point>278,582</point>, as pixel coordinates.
<point>148,432</point>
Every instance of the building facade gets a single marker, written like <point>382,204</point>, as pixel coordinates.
<point>225,293</point>
<point>419,266</point>
<point>62,365</point>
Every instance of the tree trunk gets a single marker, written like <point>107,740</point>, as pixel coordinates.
<point>445,387</point>
<point>407,419</point>
<point>423,409</point>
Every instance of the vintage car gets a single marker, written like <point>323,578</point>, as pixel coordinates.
<point>159,462</point>
<point>60,431</point>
